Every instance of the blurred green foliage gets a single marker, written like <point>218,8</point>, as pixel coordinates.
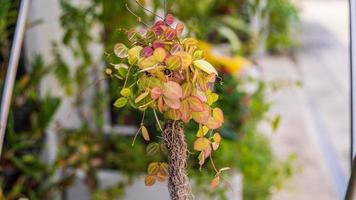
<point>283,19</point>
<point>23,171</point>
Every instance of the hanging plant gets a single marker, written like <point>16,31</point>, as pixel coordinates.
<point>162,71</point>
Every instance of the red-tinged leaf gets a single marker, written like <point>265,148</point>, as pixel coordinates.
<point>173,62</point>
<point>170,34</point>
<point>176,48</point>
<point>218,115</point>
<point>145,134</point>
<point>156,92</point>
<point>172,103</point>
<point>169,19</point>
<point>121,50</point>
<point>202,83</point>
<point>187,89</point>
<point>186,59</point>
<point>202,117</point>
<point>172,114</point>
<point>215,182</point>
<point>141,97</point>
<point>157,44</point>
<point>211,78</point>
<point>216,141</point>
<point>153,168</point>
<point>185,112</point>
<point>160,54</point>
<point>172,90</point>
<point>147,51</point>
<point>157,30</point>
<point>160,104</point>
<point>201,158</point>
<point>150,180</point>
<point>195,104</point>
<point>179,28</point>
<point>201,95</point>
<point>201,144</point>
<point>163,169</point>
<point>147,62</point>
<point>207,151</point>
<point>215,145</point>
<point>159,23</point>
<point>161,178</point>
<point>212,123</point>
<point>133,36</point>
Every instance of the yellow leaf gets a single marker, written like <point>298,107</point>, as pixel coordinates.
<point>205,66</point>
<point>153,168</point>
<point>201,144</point>
<point>150,180</point>
<point>218,115</point>
<point>141,96</point>
<point>145,134</point>
<point>134,54</point>
<point>159,54</point>
<point>217,137</point>
<point>203,130</point>
<point>186,59</point>
<point>163,169</point>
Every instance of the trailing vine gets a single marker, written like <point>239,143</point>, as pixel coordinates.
<point>168,74</point>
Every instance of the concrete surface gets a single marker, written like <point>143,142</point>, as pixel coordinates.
<point>315,119</point>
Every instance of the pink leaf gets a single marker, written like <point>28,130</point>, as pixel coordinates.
<point>156,93</point>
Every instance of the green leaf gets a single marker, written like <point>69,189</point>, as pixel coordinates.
<point>126,92</point>
<point>276,122</point>
<point>153,149</point>
<point>134,54</point>
<point>120,102</point>
<point>121,50</point>
<point>173,62</point>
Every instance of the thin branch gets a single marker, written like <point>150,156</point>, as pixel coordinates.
<point>165,7</point>
<point>139,19</point>
<point>143,7</point>
<point>159,124</point>
<point>138,131</point>
<point>212,163</point>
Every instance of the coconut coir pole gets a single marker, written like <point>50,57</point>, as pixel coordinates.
<point>178,182</point>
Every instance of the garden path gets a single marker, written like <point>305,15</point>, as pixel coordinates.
<point>315,118</point>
